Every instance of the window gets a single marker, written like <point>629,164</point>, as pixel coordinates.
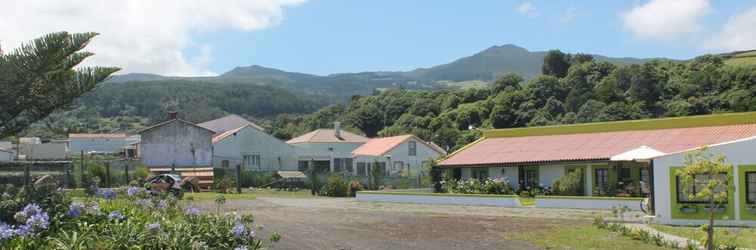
<point>750,187</point>
<point>699,182</point>
<point>644,175</point>
<point>602,177</point>
<point>224,163</point>
<point>398,166</point>
<point>303,166</point>
<point>337,165</point>
<point>348,165</point>
<point>624,174</point>
<point>412,148</point>
<point>480,173</point>
<point>252,161</point>
<point>361,169</point>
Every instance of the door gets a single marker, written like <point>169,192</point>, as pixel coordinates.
<point>528,177</point>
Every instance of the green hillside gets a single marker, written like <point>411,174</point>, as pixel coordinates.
<point>741,58</point>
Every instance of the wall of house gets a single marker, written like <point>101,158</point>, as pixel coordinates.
<point>274,154</point>
<point>176,143</point>
<point>326,150</point>
<point>412,163</point>
<point>45,151</point>
<point>97,144</point>
<point>6,156</point>
<point>668,211</point>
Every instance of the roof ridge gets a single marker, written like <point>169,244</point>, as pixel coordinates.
<point>715,120</point>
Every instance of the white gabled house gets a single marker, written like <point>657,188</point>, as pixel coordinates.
<point>327,150</point>
<point>252,149</point>
<point>394,155</point>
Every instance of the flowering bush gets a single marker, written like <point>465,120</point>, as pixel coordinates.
<point>134,220</point>
<point>475,186</point>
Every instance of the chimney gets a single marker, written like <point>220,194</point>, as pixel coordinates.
<point>172,115</point>
<point>337,129</point>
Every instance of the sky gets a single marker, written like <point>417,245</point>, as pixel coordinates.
<point>203,37</point>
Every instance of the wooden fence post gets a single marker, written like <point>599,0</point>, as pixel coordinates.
<point>238,179</point>
<point>27,175</point>
<point>81,169</point>
<point>107,173</point>
<point>126,172</point>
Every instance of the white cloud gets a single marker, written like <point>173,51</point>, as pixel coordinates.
<point>569,14</point>
<point>527,9</point>
<point>139,35</point>
<point>666,20</point>
<point>739,33</point>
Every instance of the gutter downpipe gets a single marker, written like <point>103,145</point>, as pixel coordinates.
<point>651,198</point>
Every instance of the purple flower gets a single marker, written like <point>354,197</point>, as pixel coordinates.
<point>132,191</point>
<point>193,211</point>
<point>107,193</point>
<point>23,230</point>
<point>115,215</point>
<point>6,231</point>
<point>162,204</point>
<point>75,209</point>
<point>38,221</point>
<point>154,226</point>
<point>239,230</point>
<point>32,209</point>
<point>145,203</point>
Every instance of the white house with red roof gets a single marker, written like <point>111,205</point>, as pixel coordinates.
<point>395,155</point>
<point>626,158</point>
<point>327,149</point>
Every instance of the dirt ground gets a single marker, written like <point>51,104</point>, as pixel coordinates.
<point>332,223</point>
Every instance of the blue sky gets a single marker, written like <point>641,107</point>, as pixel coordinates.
<point>204,37</point>
<point>323,37</point>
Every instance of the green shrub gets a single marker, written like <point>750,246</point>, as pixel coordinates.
<point>223,184</point>
<point>256,178</point>
<point>474,186</point>
<point>570,184</point>
<point>141,173</point>
<point>335,187</point>
<point>354,187</point>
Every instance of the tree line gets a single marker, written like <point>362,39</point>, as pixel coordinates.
<point>573,88</point>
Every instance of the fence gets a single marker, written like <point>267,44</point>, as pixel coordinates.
<point>24,173</point>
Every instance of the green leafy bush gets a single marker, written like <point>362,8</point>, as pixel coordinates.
<point>335,187</point>
<point>475,186</point>
<point>570,184</point>
<point>354,187</point>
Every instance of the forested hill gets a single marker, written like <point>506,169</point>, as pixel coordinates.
<point>573,89</point>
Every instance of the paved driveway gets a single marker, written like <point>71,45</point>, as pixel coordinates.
<point>332,223</point>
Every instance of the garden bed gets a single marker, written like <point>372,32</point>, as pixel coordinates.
<point>588,202</point>
<point>439,198</point>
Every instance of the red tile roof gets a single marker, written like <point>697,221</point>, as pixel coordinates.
<point>223,135</point>
<point>328,136</point>
<point>381,146</point>
<point>98,136</point>
<point>591,146</point>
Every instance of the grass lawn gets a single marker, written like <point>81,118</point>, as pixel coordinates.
<point>581,237</point>
<point>744,237</point>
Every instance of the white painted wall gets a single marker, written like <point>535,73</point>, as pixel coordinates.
<point>742,152</point>
<point>7,156</point>
<point>441,199</point>
<point>176,142</point>
<point>325,150</point>
<point>45,151</point>
<point>587,203</point>
<point>550,173</point>
<point>401,154</point>
<point>274,154</point>
<point>110,145</point>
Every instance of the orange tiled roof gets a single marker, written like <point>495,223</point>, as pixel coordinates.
<point>591,146</point>
<point>328,136</point>
<point>98,136</point>
<point>381,146</point>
